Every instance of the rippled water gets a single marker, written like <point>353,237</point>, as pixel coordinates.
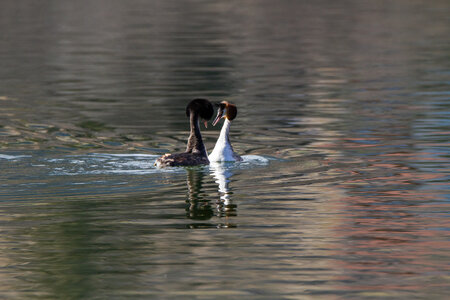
<point>343,122</point>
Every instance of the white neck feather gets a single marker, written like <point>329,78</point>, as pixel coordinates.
<point>223,150</point>
<point>225,131</point>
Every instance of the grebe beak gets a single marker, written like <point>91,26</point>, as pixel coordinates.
<point>220,114</point>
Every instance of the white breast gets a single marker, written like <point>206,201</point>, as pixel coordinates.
<point>223,150</point>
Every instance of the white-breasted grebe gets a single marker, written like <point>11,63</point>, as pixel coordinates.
<point>223,151</point>
<point>195,153</point>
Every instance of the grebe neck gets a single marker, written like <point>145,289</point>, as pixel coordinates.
<point>223,151</point>
<point>195,142</point>
<point>224,136</point>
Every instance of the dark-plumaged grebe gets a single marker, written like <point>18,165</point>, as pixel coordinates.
<point>223,151</point>
<point>195,153</point>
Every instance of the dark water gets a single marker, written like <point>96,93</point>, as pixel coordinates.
<point>343,120</point>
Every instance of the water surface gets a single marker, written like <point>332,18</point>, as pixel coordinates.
<point>343,121</point>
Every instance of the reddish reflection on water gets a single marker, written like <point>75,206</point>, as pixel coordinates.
<point>389,225</point>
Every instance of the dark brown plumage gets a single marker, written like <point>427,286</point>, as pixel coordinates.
<point>181,159</point>
<point>195,153</point>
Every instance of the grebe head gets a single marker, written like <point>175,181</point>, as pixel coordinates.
<point>225,110</point>
<point>202,107</point>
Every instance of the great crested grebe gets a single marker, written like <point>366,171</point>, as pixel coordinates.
<point>223,151</point>
<point>195,153</point>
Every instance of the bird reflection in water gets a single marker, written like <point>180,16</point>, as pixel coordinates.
<point>199,207</point>
<point>199,203</point>
<point>222,175</point>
